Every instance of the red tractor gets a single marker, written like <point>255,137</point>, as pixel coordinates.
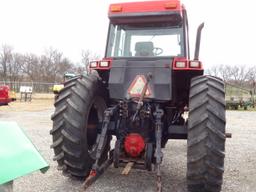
<point>139,93</point>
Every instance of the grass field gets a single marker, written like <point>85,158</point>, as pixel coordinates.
<point>38,96</point>
<point>237,93</point>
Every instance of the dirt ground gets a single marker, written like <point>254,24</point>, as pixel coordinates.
<point>38,96</point>
<point>34,105</point>
<point>240,161</point>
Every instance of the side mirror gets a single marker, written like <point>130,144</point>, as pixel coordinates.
<point>198,39</point>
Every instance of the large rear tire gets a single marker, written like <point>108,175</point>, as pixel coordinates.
<point>58,123</point>
<point>206,134</point>
<point>78,111</point>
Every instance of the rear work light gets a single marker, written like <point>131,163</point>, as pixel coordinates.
<point>195,64</point>
<point>101,65</point>
<point>93,64</point>
<point>184,64</point>
<point>181,64</point>
<point>104,63</point>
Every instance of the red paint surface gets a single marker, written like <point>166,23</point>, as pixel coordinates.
<point>147,6</point>
<point>134,144</point>
<point>4,95</point>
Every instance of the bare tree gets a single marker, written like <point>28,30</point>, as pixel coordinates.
<point>5,60</point>
<point>88,56</point>
<point>54,65</point>
<point>49,67</point>
<point>31,67</point>
<point>214,71</point>
<point>85,57</point>
<point>15,66</point>
<point>224,71</point>
<point>251,77</point>
<point>240,75</point>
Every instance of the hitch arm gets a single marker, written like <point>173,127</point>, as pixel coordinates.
<point>142,96</point>
<point>158,152</point>
<point>97,170</point>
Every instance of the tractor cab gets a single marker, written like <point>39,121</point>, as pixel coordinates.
<point>141,39</point>
<point>148,37</point>
<point>158,29</point>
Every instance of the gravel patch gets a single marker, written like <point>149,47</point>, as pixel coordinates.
<point>240,161</point>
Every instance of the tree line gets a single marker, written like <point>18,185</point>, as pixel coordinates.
<point>48,67</point>
<point>52,64</point>
<point>239,75</point>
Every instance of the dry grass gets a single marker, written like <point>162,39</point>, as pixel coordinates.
<point>38,96</point>
<point>34,105</point>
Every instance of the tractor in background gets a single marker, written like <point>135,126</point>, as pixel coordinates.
<point>57,87</point>
<point>239,97</point>
<point>138,93</point>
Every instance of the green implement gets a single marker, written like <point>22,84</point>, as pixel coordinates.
<point>18,156</point>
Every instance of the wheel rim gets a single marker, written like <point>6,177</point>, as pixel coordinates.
<point>95,116</point>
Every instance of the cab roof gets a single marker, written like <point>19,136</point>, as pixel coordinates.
<point>144,7</point>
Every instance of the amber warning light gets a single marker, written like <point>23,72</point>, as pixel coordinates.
<point>171,5</point>
<point>116,8</point>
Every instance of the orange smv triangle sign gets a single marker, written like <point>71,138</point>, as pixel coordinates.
<point>137,85</point>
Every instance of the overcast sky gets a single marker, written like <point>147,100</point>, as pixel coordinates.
<point>229,36</point>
